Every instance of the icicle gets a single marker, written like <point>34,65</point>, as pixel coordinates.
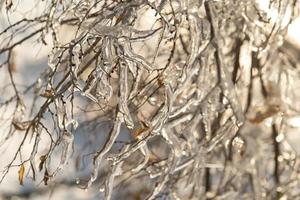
<point>72,122</point>
<point>104,90</point>
<point>176,148</point>
<point>144,137</point>
<point>136,83</point>
<point>75,58</point>
<point>17,121</point>
<point>207,124</point>
<point>239,145</point>
<point>145,151</point>
<point>138,35</point>
<point>227,114</point>
<point>189,75</point>
<point>133,68</point>
<point>193,102</point>
<point>160,119</point>
<point>81,10</point>
<point>90,83</point>
<point>131,56</point>
<point>120,31</point>
<point>158,188</point>
<point>124,96</point>
<point>257,185</point>
<point>179,120</point>
<point>34,151</point>
<point>60,111</point>
<point>164,177</point>
<point>109,182</point>
<point>38,85</point>
<point>226,131</point>
<point>107,146</point>
<point>195,39</point>
<point>108,54</point>
<point>228,90</point>
<point>226,83</point>
<point>116,170</point>
<point>94,174</point>
<point>55,57</point>
<point>199,171</point>
<point>68,140</point>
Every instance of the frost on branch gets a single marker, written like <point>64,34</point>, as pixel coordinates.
<point>178,99</point>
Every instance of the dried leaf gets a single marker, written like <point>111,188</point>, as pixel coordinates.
<point>46,177</point>
<point>12,62</point>
<point>263,113</point>
<point>21,174</point>
<point>21,126</point>
<point>9,4</point>
<point>43,158</point>
<point>136,134</point>
<point>48,93</point>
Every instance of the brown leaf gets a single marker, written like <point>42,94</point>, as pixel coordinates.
<point>12,62</point>
<point>144,127</point>
<point>160,81</point>
<point>48,93</point>
<point>21,174</point>
<point>43,159</point>
<point>21,126</point>
<point>46,177</point>
<point>137,133</point>
<point>264,113</point>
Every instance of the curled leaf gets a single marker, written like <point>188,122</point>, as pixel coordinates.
<point>21,126</point>
<point>46,177</point>
<point>48,93</point>
<point>144,127</point>
<point>42,159</point>
<point>21,174</point>
<point>264,112</point>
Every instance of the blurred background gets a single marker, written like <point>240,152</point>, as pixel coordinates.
<point>30,60</point>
